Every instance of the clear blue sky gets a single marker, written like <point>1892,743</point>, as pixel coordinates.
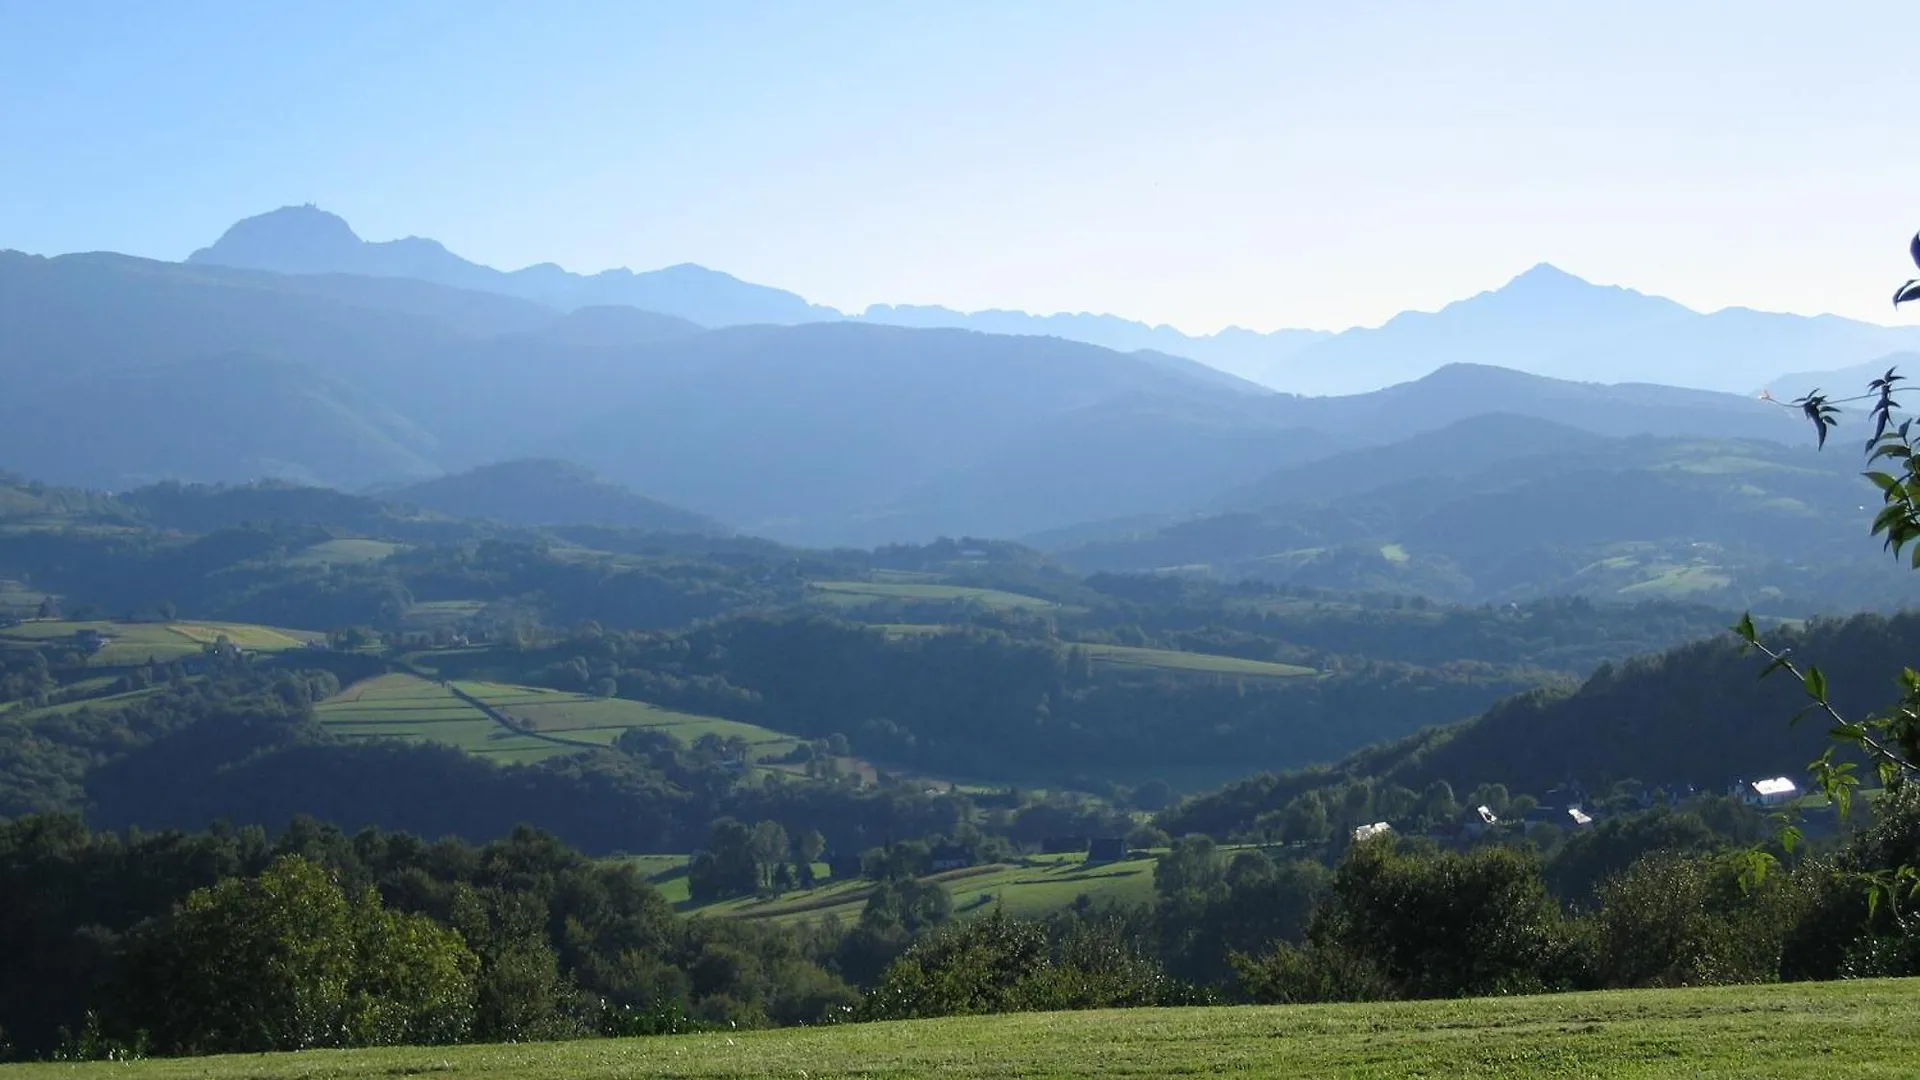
<point>1264,163</point>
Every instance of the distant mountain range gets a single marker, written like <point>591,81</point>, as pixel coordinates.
<point>1545,322</point>
<point>792,423</point>
<point>128,371</point>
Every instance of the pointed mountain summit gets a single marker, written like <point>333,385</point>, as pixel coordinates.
<point>1549,322</point>
<point>309,240</point>
<point>292,239</point>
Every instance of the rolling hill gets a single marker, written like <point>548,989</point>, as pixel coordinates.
<point>228,418</point>
<point>1510,509</point>
<point>536,492</point>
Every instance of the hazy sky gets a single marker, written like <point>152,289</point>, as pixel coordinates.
<point>1264,163</point>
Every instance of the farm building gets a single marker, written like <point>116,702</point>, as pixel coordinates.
<point>1770,792</point>
<point>1569,817</point>
<point>1479,820</point>
<point>1368,832</point>
<point>1106,849</point>
<point>950,857</point>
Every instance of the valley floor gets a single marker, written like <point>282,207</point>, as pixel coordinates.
<point>1850,1029</point>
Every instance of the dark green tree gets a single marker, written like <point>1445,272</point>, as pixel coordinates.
<point>289,961</point>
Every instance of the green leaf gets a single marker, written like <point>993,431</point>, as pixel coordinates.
<point>1883,481</point>
<point>1816,684</point>
<point>1745,629</point>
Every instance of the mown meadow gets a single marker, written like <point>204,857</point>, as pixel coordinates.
<point>1867,1029</point>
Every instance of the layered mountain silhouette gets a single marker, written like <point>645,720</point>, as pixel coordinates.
<point>826,432</point>
<point>1248,354</point>
<point>1545,321</point>
<point>1549,322</point>
<point>1847,381</point>
<point>293,349</point>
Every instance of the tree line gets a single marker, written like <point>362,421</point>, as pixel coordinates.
<point>229,940</point>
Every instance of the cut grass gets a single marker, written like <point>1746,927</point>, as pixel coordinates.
<point>1868,1030</point>
<point>1127,656</point>
<point>1043,884</point>
<point>1130,657</point>
<point>583,718</point>
<point>103,703</point>
<point>1680,581</point>
<point>135,643</point>
<point>421,710</point>
<point>442,612</point>
<point>861,593</point>
<point>246,636</point>
<point>345,552</point>
<point>417,710</point>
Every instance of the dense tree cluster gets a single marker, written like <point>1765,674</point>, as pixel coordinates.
<point>227,941</point>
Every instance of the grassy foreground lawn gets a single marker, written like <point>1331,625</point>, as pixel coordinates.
<point>1859,1029</point>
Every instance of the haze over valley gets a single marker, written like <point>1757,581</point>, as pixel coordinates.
<point>765,540</point>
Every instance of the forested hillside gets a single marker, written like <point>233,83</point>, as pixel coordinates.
<point>1507,508</point>
<point>1693,717</point>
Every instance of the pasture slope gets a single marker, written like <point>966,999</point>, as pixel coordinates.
<point>541,723</point>
<point>1123,658</point>
<point>1834,1031</point>
<point>854,594</point>
<point>1036,886</point>
<point>163,642</point>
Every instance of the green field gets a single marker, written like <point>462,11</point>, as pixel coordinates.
<point>104,703</point>
<point>442,612</point>
<point>135,643</point>
<point>421,710</point>
<point>1130,657</point>
<point>584,718</point>
<point>1833,1031</point>
<point>344,553</point>
<point>18,601</point>
<point>415,709</point>
<point>861,593</point>
<point>1040,885</point>
<point>1679,581</point>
